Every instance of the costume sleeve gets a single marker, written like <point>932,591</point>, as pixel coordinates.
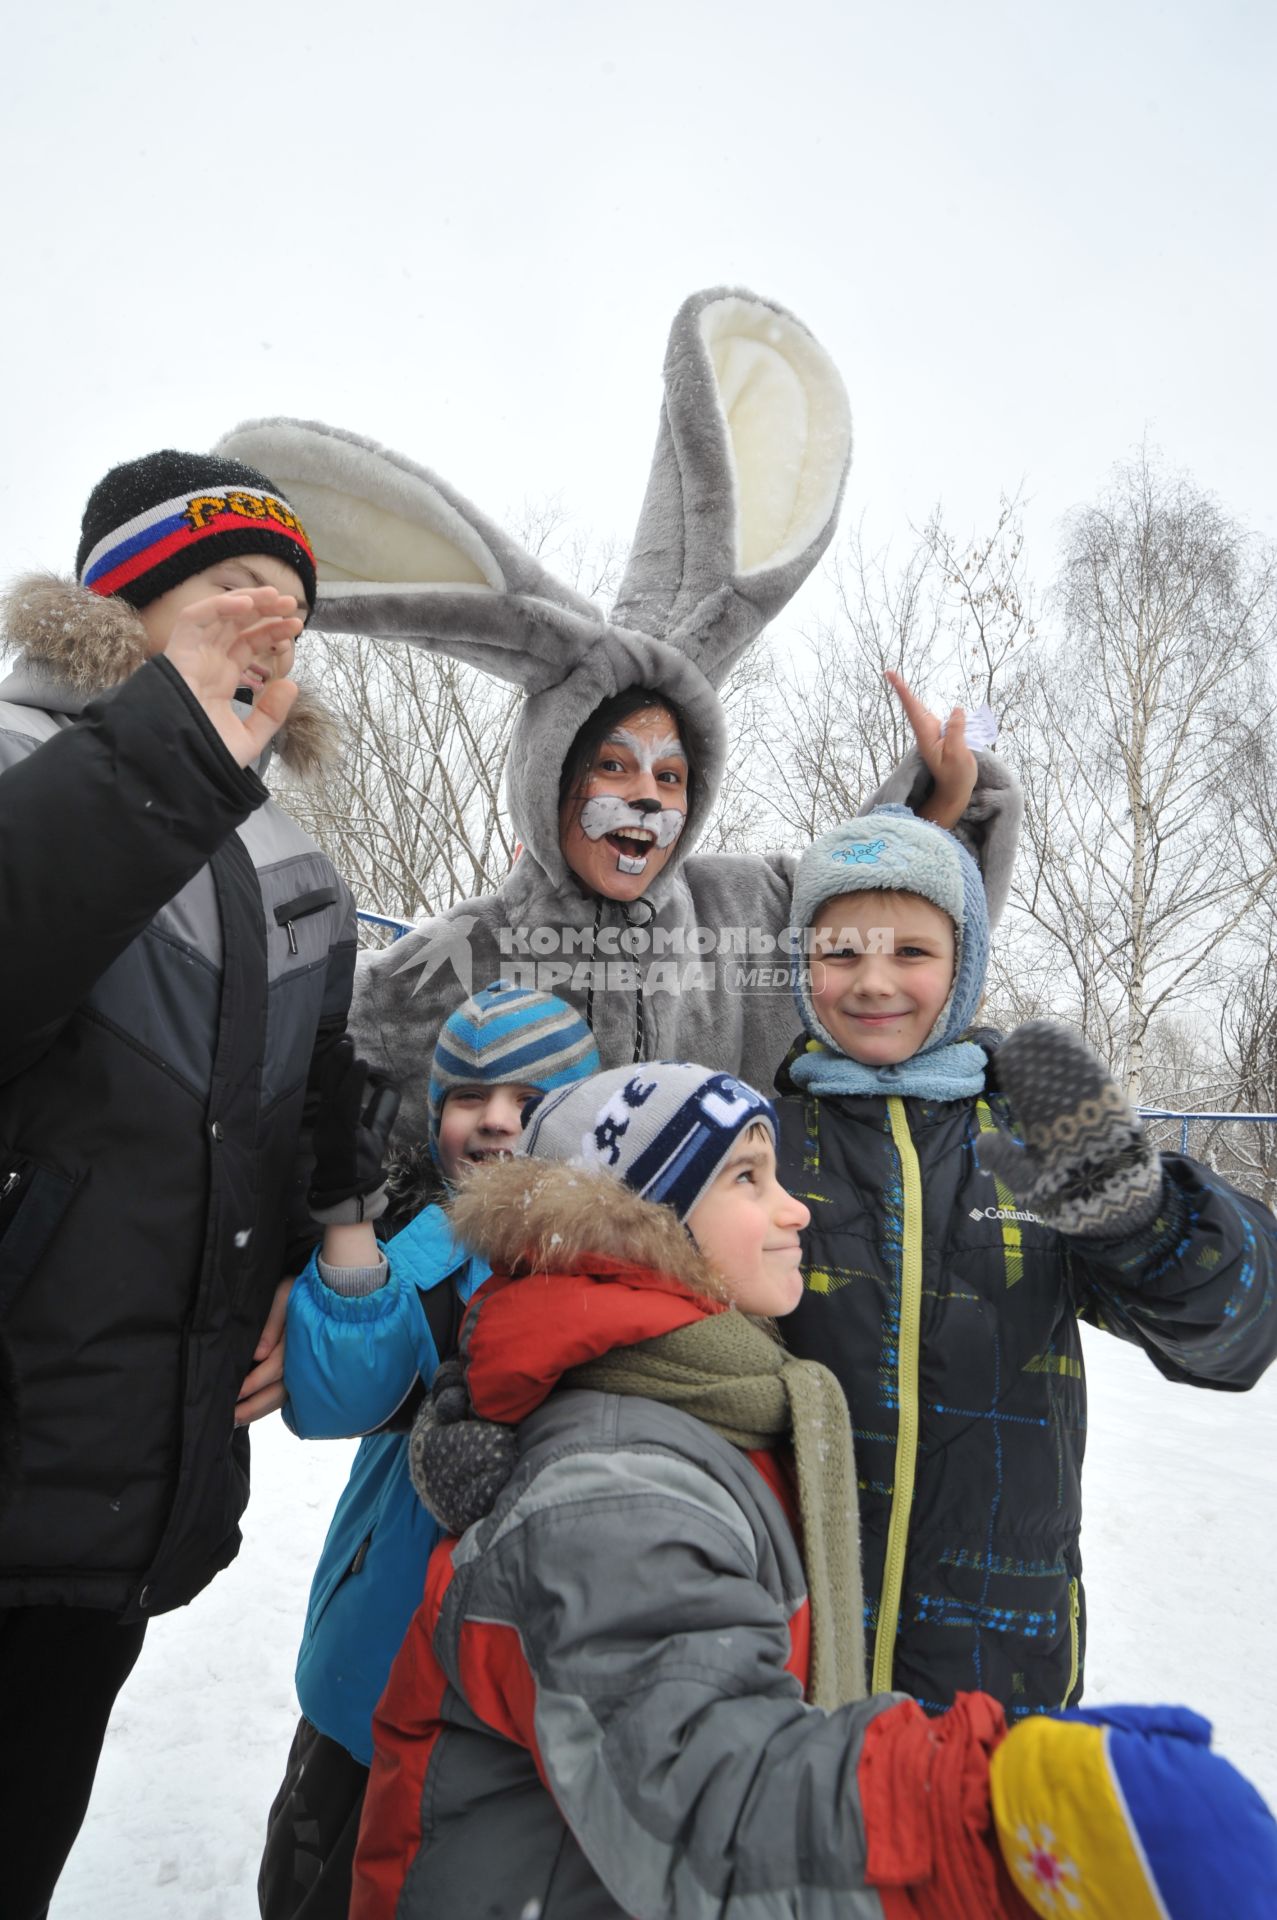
<point>647,1676</point>
<point>99,827</point>
<point>404,993</point>
<point>1197,1288</point>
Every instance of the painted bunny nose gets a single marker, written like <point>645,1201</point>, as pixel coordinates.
<point>646,804</point>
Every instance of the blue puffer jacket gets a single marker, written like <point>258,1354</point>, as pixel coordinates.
<point>351,1364</point>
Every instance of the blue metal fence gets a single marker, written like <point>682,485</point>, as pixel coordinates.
<point>1185,1119</point>
<point>396,928</point>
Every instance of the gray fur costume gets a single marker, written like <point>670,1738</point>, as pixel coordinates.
<point>751,457</point>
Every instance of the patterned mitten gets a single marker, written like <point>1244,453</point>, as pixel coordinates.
<point>1086,1167</point>
<point>1124,1813</point>
<point>458,1462</point>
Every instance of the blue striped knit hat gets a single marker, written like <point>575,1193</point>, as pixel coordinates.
<point>665,1128</point>
<point>509,1036</point>
<point>892,851</point>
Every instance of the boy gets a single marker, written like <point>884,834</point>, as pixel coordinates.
<point>628,1691</point>
<point>365,1332</point>
<point>946,1267</point>
<point>175,951</point>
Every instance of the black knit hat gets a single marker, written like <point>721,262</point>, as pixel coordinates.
<point>152,523</point>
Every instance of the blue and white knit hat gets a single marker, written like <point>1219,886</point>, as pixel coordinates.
<point>664,1128</point>
<point>509,1036</point>
<point>892,851</point>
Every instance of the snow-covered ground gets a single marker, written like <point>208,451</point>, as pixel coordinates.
<point>1181,1554</point>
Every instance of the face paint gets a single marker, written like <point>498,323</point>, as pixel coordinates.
<point>605,814</point>
<point>647,751</point>
<point>631,809</point>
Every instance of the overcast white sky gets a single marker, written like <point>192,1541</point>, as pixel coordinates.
<point>1028,233</point>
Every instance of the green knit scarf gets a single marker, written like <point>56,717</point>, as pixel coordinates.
<point>727,1371</point>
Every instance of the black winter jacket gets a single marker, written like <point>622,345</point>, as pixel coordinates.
<point>950,1317</point>
<point>174,948</point>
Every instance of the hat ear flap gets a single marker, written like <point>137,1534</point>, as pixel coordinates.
<point>402,555</point>
<point>751,457</point>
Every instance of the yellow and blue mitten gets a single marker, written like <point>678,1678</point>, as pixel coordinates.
<point>1124,1813</point>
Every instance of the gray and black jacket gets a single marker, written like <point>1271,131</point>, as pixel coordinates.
<point>175,950</point>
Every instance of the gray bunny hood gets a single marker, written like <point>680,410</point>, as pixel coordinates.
<point>752,454</point>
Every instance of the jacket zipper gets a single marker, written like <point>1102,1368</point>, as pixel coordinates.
<point>907,1400</point>
<point>1075,1609</point>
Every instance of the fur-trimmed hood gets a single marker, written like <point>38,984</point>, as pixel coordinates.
<point>582,1267</point>
<point>74,644</point>
<point>544,1216</point>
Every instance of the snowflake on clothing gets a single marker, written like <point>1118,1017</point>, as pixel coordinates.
<point>1047,1872</point>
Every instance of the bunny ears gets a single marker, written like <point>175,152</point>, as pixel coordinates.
<point>751,456</point>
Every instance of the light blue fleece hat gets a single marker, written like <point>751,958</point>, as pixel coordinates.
<point>892,851</point>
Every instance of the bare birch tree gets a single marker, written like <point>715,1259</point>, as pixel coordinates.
<point>1135,862</point>
<point>951,617</point>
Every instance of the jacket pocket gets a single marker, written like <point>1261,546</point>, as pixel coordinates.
<point>345,1570</point>
<point>33,1200</point>
<point>288,912</point>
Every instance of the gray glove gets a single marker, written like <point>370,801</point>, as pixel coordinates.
<point>458,1463</point>
<point>1087,1167</point>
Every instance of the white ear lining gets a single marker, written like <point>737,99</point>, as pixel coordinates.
<point>368,519</point>
<point>359,539</point>
<point>773,381</point>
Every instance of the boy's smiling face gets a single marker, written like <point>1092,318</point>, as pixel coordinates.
<point>882,967</point>
<point>747,1227</point>
<point>479,1124</point>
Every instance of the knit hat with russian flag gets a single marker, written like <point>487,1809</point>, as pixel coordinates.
<point>153,522</point>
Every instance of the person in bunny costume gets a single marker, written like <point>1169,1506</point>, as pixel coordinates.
<point>619,749</point>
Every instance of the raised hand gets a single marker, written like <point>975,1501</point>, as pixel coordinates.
<point>356,1112</point>
<point>210,646</point>
<point>945,754</point>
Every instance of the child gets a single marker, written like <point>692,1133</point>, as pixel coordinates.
<point>175,952</point>
<point>599,1709</point>
<point>946,1267</point>
<point>365,1331</point>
